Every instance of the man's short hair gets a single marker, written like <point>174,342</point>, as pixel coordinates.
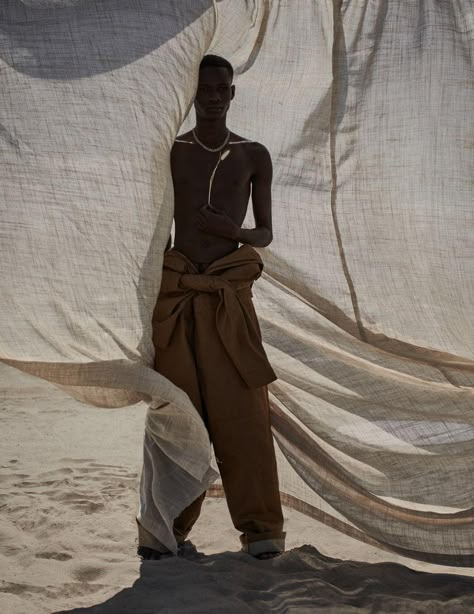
<point>216,61</point>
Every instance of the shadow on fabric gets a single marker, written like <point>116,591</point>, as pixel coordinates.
<point>72,44</point>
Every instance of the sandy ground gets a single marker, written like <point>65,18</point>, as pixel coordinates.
<point>69,488</point>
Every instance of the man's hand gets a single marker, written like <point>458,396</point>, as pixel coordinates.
<point>217,223</point>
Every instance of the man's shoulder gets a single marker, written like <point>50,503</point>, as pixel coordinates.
<point>260,157</point>
<point>186,138</point>
<point>181,148</point>
<point>260,150</point>
<point>237,139</point>
<point>256,150</point>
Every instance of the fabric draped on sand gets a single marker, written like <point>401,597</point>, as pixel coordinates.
<point>365,303</point>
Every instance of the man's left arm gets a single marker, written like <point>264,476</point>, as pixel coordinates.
<point>261,235</point>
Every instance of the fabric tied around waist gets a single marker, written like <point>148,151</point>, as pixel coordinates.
<point>235,326</point>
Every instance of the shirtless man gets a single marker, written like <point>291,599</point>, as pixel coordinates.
<point>232,401</point>
<point>204,233</point>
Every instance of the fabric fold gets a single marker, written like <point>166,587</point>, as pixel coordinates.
<point>227,279</point>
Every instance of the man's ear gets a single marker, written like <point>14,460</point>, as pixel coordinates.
<point>233,92</point>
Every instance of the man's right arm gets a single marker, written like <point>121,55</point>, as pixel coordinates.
<point>168,245</point>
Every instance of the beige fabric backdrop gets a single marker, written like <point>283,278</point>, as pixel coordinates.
<point>366,299</point>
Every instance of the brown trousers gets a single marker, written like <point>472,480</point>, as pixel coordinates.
<point>208,342</point>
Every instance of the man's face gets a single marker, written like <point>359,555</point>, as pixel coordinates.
<point>214,93</point>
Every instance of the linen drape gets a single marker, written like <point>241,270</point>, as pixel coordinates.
<point>365,303</point>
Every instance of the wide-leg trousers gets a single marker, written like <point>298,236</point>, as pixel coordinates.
<point>238,421</point>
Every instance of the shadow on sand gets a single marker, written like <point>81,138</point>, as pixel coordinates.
<point>301,580</point>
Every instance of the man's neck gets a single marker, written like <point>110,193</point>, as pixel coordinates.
<point>211,132</point>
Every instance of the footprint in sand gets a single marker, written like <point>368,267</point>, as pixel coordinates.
<point>57,556</point>
<point>56,472</point>
<point>84,485</point>
<point>88,574</point>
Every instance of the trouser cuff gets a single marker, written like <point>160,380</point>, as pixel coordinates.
<point>258,546</point>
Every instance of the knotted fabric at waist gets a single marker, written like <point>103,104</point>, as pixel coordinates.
<point>208,283</point>
<point>231,277</point>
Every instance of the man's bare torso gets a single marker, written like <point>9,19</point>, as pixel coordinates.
<point>191,167</point>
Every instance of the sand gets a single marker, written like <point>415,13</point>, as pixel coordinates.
<point>69,488</point>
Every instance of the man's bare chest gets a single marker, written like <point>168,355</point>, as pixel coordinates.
<point>193,172</point>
